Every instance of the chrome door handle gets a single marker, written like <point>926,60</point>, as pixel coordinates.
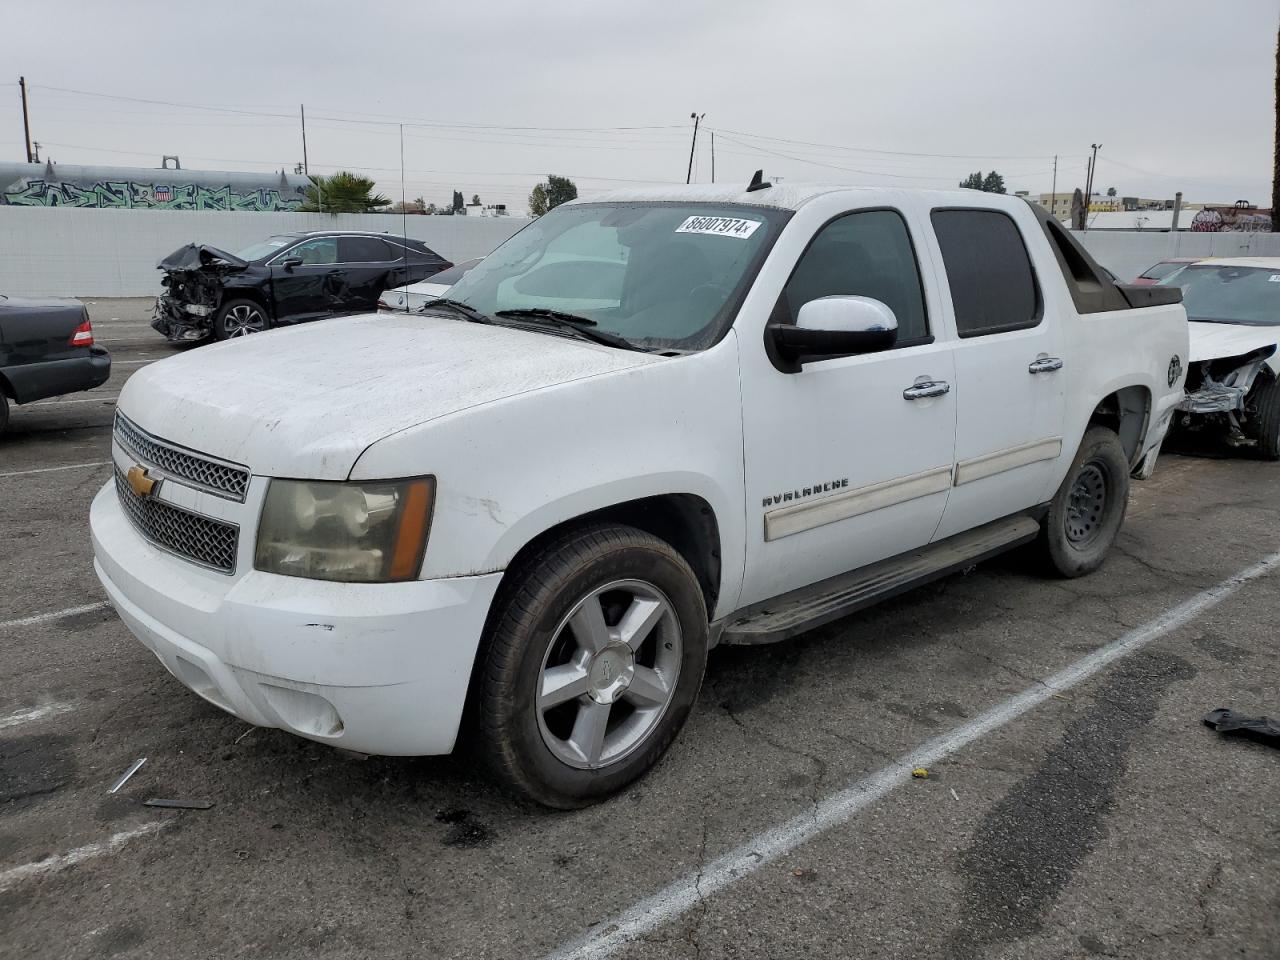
<point>925,389</point>
<point>1045,365</point>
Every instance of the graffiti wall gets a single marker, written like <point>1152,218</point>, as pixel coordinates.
<point>48,186</point>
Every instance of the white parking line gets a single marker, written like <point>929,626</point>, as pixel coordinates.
<point>68,466</point>
<point>619,931</point>
<point>52,615</point>
<point>50,403</point>
<point>40,868</point>
<point>35,713</point>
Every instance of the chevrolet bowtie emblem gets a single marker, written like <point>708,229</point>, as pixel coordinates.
<point>139,482</point>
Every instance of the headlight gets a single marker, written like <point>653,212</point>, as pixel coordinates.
<point>352,532</point>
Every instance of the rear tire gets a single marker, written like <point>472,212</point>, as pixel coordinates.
<point>1266,403</point>
<point>592,660</point>
<point>4,412</point>
<point>1086,513</point>
<point>239,318</point>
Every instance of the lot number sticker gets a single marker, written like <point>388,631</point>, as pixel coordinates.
<point>720,226</point>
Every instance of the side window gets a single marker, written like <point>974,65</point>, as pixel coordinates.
<point>318,251</point>
<point>992,285</point>
<point>867,255</point>
<point>362,250</point>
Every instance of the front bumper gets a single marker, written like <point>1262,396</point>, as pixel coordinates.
<point>377,668</point>
<point>181,321</point>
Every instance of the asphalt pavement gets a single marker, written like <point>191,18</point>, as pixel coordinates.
<point>1075,804</point>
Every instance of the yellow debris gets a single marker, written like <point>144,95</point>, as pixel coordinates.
<point>920,773</point>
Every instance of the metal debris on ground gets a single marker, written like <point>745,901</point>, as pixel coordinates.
<point>1262,729</point>
<point>133,768</point>
<point>955,796</point>
<point>178,804</point>
<point>920,773</point>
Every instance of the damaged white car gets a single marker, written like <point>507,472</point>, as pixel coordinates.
<point>1232,385</point>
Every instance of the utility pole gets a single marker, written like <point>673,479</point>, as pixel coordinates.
<point>1053,192</point>
<point>1088,189</point>
<point>696,118</point>
<point>35,155</point>
<point>713,156</point>
<point>302,110</point>
<point>26,120</point>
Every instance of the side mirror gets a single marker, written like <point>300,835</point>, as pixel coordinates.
<point>290,262</point>
<point>834,327</point>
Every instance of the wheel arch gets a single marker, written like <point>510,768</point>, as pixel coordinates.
<point>684,520</point>
<point>1127,411</point>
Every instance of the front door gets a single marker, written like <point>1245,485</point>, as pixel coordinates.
<point>1010,369</point>
<point>310,289</point>
<point>848,461</point>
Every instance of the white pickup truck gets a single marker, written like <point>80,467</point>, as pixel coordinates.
<point>646,424</point>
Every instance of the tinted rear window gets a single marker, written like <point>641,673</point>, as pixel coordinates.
<point>993,288</point>
<point>362,250</point>
<point>1162,270</point>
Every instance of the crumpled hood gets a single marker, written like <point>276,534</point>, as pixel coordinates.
<point>197,256</point>
<point>306,402</point>
<point>1210,341</point>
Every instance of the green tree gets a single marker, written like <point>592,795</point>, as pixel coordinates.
<point>560,190</point>
<point>475,199</point>
<point>538,201</point>
<point>343,192</point>
<point>991,183</point>
<point>458,202</point>
<point>1111,191</point>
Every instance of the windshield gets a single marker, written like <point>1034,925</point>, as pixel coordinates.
<point>1225,294</point>
<point>264,248</point>
<point>1163,269</point>
<point>662,275</point>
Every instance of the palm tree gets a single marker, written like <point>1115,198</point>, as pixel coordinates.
<point>343,192</point>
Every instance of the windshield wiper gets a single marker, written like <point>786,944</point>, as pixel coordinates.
<point>569,321</point>
<point>464,310</point>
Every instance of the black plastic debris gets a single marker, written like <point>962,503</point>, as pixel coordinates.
<point>1262,729</point>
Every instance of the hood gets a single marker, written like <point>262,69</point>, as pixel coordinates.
<point>1211,341</point>
<point>196,256</point>
<point>306,402</point>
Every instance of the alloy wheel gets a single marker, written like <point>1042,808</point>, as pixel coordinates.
<point>242,320</point>
<point>609,674</point>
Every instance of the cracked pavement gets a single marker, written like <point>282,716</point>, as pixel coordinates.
<point>1107,822</point>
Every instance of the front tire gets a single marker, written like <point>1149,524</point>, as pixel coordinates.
<point>4,412</point>
<point>1086,513</point>
<point>239,318</point>
<point>592,661</point>
<point>1266,404</point>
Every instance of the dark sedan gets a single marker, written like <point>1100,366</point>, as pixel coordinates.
<point>46,349</point>
<point>291,278</point>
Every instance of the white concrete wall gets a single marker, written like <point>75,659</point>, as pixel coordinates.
<point>1127,253</point>
<point>64,251</point>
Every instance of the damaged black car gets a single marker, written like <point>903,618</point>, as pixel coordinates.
<point>286,279</point>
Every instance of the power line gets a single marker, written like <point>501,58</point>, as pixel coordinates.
<point>893,153</point>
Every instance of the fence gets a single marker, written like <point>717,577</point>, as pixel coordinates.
<point>65,251</point>
<point>70,252</point>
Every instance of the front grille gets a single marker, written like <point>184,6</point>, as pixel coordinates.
<point>203,540</point>
<point>222,479</point>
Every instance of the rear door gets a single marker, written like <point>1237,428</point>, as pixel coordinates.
<point>367,265</point>
<point>1010,367</point>
<point>305,291</point>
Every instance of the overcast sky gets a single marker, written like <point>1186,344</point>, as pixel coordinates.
<point>500,92</point>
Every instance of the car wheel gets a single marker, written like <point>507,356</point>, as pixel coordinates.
<point>4,412</point>
<point>593,658</point>
<point>1266,425</point>
<point>239,318</point>
<point>1086,513</point>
